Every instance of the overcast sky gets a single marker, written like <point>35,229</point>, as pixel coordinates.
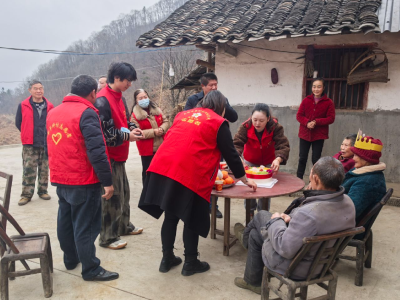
<point>53,25</point>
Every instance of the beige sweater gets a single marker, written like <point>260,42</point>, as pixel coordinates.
<point>141,114</point>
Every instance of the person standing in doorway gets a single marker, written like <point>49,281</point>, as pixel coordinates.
<point>118,132</point>
<point>31,122</point>
<point>315,114</point>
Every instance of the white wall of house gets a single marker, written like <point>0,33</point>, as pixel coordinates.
<point>245,79</point>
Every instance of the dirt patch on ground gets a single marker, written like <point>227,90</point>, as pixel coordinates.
<point>9,134</point>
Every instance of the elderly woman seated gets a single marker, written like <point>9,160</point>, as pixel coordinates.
<point>274,240</point>
<point>345,155</point>
<point>366,184</point>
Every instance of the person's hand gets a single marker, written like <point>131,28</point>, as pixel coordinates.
<point>311,124</point>
<point>286,218</point>
<point>275,215</point>
<point>108,192</point>
<point>249,182</point>
<point>158,132</point>
<point>275,164</point>
<point>135,135</point>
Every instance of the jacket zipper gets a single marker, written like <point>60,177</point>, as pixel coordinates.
<point>213,174</point>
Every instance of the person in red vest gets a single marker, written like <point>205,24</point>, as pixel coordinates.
<point>147,116</point>
<point>78,166</point>
<point>118,132</point>
<point>261,141</point>
<point>31,122</point>
<point>182,174</point>
<point>315,114</point>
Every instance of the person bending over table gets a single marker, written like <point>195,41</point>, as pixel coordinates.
<point>261,141</point>
<point>275,239</point>
<point>181,176</point>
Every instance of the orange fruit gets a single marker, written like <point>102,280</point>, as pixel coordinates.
<point>229,180</point>
<point>225,175</point>
<point>217,178</point>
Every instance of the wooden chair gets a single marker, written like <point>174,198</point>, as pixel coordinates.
<point>363,243</point>
<point>22,247</point>
<point>324,258</point>
<point>7,195</point>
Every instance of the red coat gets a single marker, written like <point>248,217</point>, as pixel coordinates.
<point>27,124</point>
<point>348,163</point>
<point>323,112</point>
<point>68,161</point>
<point>145,147</point>
<point>259,153</point>
<point>189,153</point>
<point>118,114</point>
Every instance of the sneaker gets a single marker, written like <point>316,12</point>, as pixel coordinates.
<point>45,196</point>
<point>135,231</point>
<point>239,229</point>
<point>244,285</point>
<point>117,245</point>
<point>23,201</point>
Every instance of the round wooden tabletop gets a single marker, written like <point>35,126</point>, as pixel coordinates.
<point>287,184</point>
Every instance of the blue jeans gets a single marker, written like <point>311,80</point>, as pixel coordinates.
<point>78,225</point>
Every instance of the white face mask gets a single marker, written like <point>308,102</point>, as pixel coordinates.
<point>144,103</point>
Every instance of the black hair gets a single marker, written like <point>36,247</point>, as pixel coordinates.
<point>263,108</point>
<point>330,171</point>
<point>206,77</point>
<point>136,93</point>
<point>318,79</point>
<point>215,101</point>
<point>122,70</point>
<point>352,137</point>
<point>33,82</point>
<point>83,85</point>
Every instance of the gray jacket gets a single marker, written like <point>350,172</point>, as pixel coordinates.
<point>317,215</point>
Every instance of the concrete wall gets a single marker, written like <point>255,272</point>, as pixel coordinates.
<point>246,80</point>
<point>380,124</point>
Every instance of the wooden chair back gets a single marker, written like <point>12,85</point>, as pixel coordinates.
<point>325,255</point>
<point>5,199</point>
<point>369,217</point>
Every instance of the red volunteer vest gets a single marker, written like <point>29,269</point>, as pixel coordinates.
<point>68,161</point>
<point>145,147</point>
<point>118,114</point>
<point>259,153</point>
<point>189,153</point>
<point>27,125</point>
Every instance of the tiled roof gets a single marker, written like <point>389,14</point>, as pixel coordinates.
<point>210,21</point>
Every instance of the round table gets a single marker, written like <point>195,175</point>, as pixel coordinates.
<point>287,184</point>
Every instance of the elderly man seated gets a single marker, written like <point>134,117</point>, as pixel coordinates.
<point>275,239</point>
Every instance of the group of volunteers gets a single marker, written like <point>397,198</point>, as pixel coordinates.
<point>85,143</point>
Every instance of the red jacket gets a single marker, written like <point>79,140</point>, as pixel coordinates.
<point>145,147</point>
<point>189,153</point>
<point>27,125</point>
<point>348,163</point>
<point>259,153</point>
<point>68,161</point>
<point>118,114</point>
<point>323,113</point>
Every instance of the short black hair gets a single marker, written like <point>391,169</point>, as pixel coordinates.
<point>263,108</point>
<point>206,77</point>
<point>330,171</point>
<point>33,82</point>
<point>122,70</point>
<point>352,137</point>
<point>318,79</point>
<point>83,85</point>
<point>215,101</point>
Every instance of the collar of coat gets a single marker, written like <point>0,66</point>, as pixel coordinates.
<point>321,195</point>
<point>141,114</point>
<point>271,124</point>
<point>369,169</point>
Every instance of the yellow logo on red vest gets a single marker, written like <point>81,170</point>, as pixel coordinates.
<point>56,137</point>
<point>195,116</point>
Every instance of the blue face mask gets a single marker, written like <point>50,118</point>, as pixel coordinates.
<point>144,103</point>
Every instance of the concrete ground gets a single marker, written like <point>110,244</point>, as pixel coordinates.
<point>138,263</point>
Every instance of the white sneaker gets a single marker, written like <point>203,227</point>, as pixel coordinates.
<point>135,231</point>
<point>117,245</point>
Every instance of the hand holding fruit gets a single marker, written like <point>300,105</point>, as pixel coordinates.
<point>276,163</point>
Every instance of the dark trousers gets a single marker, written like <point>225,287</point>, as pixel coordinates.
<point>168,234</point>
<point>303,154</point>
<point>146,160</point>
<point>78,225</point>
<point>253,240</point>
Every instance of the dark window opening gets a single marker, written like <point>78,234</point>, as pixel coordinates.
<point>334,65</point>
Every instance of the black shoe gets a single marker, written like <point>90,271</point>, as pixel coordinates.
<point>194,266</point>
<point>218,214</point>
<point>104,275</point>
<point>168,261</point>
<point>71,267</point>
